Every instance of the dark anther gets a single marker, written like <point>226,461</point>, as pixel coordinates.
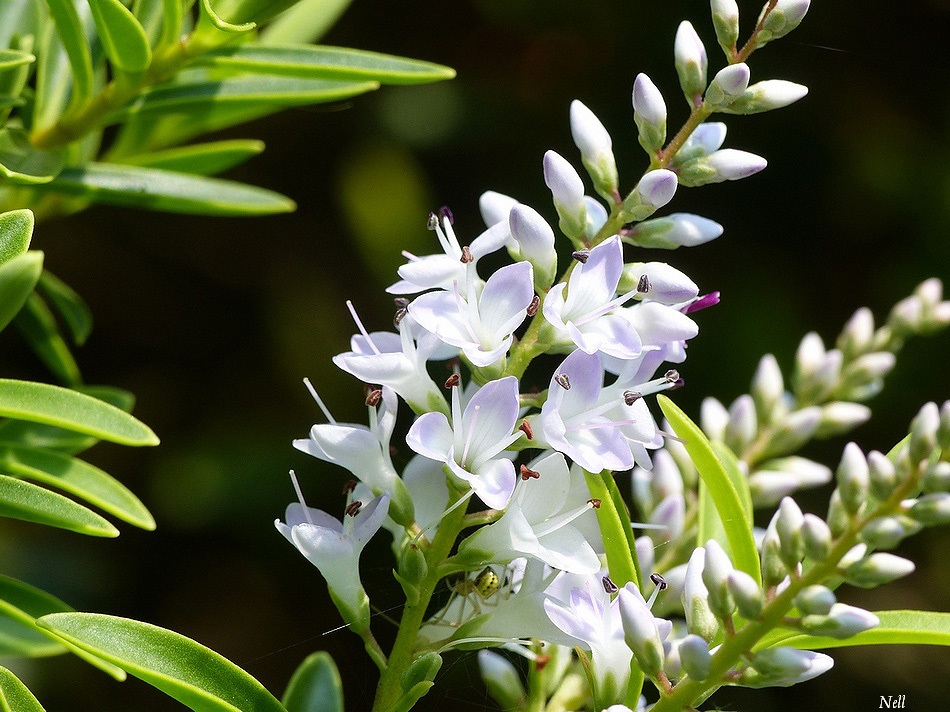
<point>672,376</point>
<point>631,397</point>
<point>563,381</point>
<point>447,214</point>
<point>659,581</point>
<point>678,383</point>
<point>643,286</point>
<point>466,256</point>
<point>433,222</point>
<point>453,380</point>
<point>373,397</point>
<point>399,316</point>
<point>609,586</point>
<point>540,661</point>
<point>525,428</point>
<point>529,474</point>
<point>353,508</point>
<point>534,305</point>
<point>349,486</point>
<point>581,256</point>
<point>594,502</point>
<point>400,302</point>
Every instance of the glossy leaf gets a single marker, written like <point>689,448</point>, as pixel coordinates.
<point>22,500</point>
<point>208,14</point>
<point>15,696</point>
<point>321,62</point>
<point>708,524</point>
<point>53,83</point>
<point>14,58</point>
<point>64,408</point>
<point>197,677</point>
<point>896,628</point>
<point>123,39</point>
<point>69,442</point>
<point>201,159</point>
<point>77,478</point>
<point>154,189</point>
<point>73,35</point>
<point>71,308</point>
<point>244,92</point>
<point>16,230</point>
<point>306,21</point>
<point>729,505</point>
<point>171,22</point>
<point>315,686</point>
<point>18,277</point>
<point>24,164</point>
<point>40,330</point>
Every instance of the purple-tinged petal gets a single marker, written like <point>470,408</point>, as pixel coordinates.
<point>497,406</point>
<point>431,436</point>
<point>494,483</point>
<point>506,296</point>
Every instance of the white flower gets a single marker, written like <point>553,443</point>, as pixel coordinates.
<point>473,444</point>
<point>480,325</point>
<point>584,315</point>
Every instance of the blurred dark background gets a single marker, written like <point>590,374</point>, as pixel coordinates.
<point>213,322</point>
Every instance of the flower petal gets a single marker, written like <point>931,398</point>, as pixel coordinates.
<point>431,436</point>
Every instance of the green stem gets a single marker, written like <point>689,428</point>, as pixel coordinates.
<point>752,44</point>
<point>697,116</point>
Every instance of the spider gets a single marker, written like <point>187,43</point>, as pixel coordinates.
<point>468,595</point>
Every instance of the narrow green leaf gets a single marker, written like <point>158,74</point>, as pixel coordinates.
<point>306,21</point>
<point>728,503</point>
<point>123,39</point>
<point>709,526</point>
<point>244,92</point>
<point>614,522</point>
<point>20,606</point>
<point>896,628</point>
<point>315,686</point>
<point>197,677</point>
<point>71,308</point>
<point>208,14</point>
<point>39,328</point>
<point>22,163</point>
<point>200,159</point>
<point>321,62</point>
<point>22,500</point>
<point>13,79</point>
<point>64,408</point>
<point>154,189</point>
<point>18,277</point>
<point>77,478</point>
<point>53,83</point>
<point>171,22</point>
<point>73,35</point>
<point>14,58</point>
<point>69,442</point>
<point>15,696</point>
<point>16,230</point>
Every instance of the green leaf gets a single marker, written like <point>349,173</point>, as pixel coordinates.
<point>709,526</point>
<point>326,63</point>
<point>15,696</point>
<point>614,522</point>
<point>64,408</point>
<point>123,39</point>
<point>18,277</point>
<point>22,500</point>
<point>244,92</point>
<point>729,505</point>
<point>14,58</point>
<point>73,35</point>
<point>69,305</point>
<point>16,230</point>
<point>154,189</point>
<point>197,677</point>
<point>896,628</point>
<point>77,478</point>
<point>69,442</point>
<point>306,21</point>
<point>208,14</point>
<point>201,159</point>
<point>22,163</point>
<point>171,22</point>
<point>40,330</point>
<point>315,686</point>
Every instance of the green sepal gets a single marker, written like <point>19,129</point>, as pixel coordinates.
<point>183,669</point>
<point>18,277</point>
<point>22,163</point>
<point>315,686</point>
<point>423,669</point>
<point>22,500</point>
<point>15,696</point>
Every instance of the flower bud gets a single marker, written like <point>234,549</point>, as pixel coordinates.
<point>808,358</point>
<point>502,680</point>
<point>535,241</point>
<point>716,570</point>
<point>714,418</point>
<point>649,114</point>
<point>663,284</point>
<point>785,17</point>
<point>841,417</point>
<point>788,525</point>
<point>937,477</point>
<point>943,430</point>
<point>783,476</point>
<point>725,164</point>
<point>742,426</point>
<point>596,215</point>
<point>567,189</point>
<point>838,517</point>
<point>699,618</point>
<point>671,515</point>
<point>884,532</point>
<point>672,231</point>
<point>877,569</point>
<point>725,17</point>
<point>705,139</point>
<point>857,335</point>
<point>815,600</point>
<point>596,148</point>
<point>853,478</point>
<point>793,431</point>
<point>646,552</point>
<point>690,59</point>
<point>867,368</point>
<point>907,315</point>
<point>932,509</point>
<point>766,96</point>
<point>746,592</point>
<point>655,189</point>
<point>883,476</point>
<point>783,667</point>
<point>695,659</point>
<point>923,432</point>
<point>816,537</point>
<point>640,631</point>
<point>773,566</point>
<point>841,622</point>
<point>767,387</point>
<point>728,85</point>
<point>495,207</point>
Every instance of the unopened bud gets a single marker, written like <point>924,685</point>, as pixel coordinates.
<point>783,476</point>
<point>783,667</point>
<point>567,189</point>
<point>877,569</point>
<point>704,140</point>
<point>943,430</point>
<point>884,532</point>
<point>654,190</point>
<point>841,417</point>
<point>816,537</point>
<point>785,17</point>
<point>699,618</point>
<point>841,622</point>
<point>932,509</point>
<point>725,17</point>
<point>742,426</point>
<point>907,315</point>
<point>596,148</point>
<point>747,594</point>
<point>722,165</point>
<point>728,85</point>
<point>495,207</point>
<point>502,679</point>
<point>690,59</point>
<point>815,600</point>
<point>695,659</point>
<point>714,418</point>
<point>883,475</point>
<point>640,630</point>
<point>923,432</point>
<point>766,96</point>
<point>671,515</point>
<point>867,368</point>
<point>853,478</point>
<point>716,570</point>
<point>672,231</point>
<point>658,282</point>
<point>808,358</point>
<point>936,477</point>
<point>773,566</point>
<point>649,113</point>
<point>788,525</point>
<point>858,334</point>
<point>793,431</point>
<point>535,240</point>
<point>767,387</point>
